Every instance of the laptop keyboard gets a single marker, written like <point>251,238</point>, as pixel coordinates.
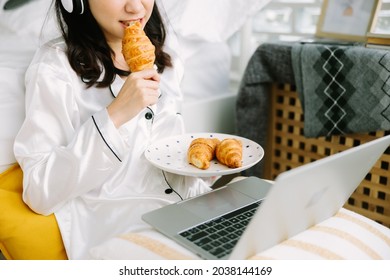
<point>220,235</point>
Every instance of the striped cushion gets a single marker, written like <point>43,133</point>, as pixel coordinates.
<point>346,235</point>
<point>143,245</point>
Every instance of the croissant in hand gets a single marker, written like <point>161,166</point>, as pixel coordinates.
<point>202,151</point>
<point>229,152</point>
<point>137,49</point>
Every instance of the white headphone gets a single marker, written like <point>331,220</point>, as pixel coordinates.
<point>73,6</point>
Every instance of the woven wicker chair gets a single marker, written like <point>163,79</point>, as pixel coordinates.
<point>287,147</point>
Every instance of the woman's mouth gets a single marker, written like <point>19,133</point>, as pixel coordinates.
<point>127,23</point>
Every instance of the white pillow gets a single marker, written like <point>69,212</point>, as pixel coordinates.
<point>206,72</point>
<point>28,19</point>
<point>212,21</point>
<point>11,112</point>
<point>15,55</point>
<point>20,36</point>
<point>202,28</point>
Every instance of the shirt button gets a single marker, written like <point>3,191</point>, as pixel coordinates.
<point>148,116</point>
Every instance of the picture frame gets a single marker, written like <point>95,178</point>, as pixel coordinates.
<point>348,20</point>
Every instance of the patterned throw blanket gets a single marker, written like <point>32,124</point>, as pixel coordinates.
<point>342,89</point>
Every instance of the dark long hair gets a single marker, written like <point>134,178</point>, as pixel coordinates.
<point>88,52</point>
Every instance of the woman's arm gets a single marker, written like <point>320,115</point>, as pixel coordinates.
<point>62,157</point>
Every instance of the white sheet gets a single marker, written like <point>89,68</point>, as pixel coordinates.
<point>20,34</point>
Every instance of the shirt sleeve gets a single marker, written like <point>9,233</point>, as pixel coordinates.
<point>62,156</point>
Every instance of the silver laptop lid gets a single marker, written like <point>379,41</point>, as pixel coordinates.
<point>307,195</point>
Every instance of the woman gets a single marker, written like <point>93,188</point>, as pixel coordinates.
<point>89,121</point>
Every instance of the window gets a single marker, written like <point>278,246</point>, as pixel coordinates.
<point>284,20</point>
<point>383,19</point>
<point>280,20</point>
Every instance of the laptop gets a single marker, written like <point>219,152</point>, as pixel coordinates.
<point>249,216</point>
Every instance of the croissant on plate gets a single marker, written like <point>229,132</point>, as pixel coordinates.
<point>202,151</point>
<point>229,152</point>
<point>137,49</point>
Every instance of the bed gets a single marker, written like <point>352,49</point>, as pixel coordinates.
<point>208,105</point>
<point>206,60</point>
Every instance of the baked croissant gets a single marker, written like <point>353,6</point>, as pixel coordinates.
<point>137,49</point>
<point>229,152</point>
<point>202,151</point>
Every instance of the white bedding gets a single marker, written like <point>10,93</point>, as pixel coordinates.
<point>20,31</point>
<point>204,53</point>
<point>11,111</point>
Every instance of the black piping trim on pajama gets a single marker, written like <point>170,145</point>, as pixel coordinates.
<point>112,93</point>
<point>101,135</point>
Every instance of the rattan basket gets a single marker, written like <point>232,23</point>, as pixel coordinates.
<point>287,147</point>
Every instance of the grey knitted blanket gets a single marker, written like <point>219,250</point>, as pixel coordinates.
<point>342,89</point>
<point>271,63</point>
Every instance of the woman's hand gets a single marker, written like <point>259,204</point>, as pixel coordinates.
<point>140,90</point>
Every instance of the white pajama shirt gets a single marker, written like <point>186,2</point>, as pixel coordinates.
<point>79,166</point>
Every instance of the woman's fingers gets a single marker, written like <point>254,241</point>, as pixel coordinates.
<point>145,79</point>
<point>140,90</point>
<point>147,74</point>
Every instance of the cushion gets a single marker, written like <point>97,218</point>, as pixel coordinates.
<point>25,235</point>
<point>198,20</point>
<point>146,244</point>
<point>346,235</point>
<point>203,42</point>
<point>11,111</point>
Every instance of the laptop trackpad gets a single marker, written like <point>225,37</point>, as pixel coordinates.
<point>216,203</point>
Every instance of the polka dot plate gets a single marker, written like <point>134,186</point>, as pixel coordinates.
<point>170,154</point>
